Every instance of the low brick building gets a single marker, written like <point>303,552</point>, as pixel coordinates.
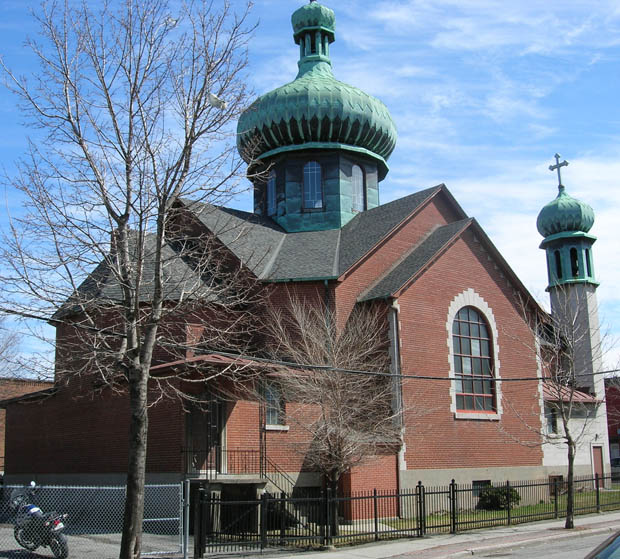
<point>11,387</point>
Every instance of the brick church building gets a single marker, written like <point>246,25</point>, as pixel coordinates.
<point>454,313</point>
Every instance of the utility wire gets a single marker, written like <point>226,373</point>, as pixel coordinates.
<point>303,366</point>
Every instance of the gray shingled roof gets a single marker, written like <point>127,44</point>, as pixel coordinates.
<point>180,281</point>
<point>274,255</point>
<point>368,228</point>
<point>253,239</point>
<point>415,261</point>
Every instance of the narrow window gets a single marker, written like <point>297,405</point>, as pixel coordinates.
<point>274,404</point>
<point>473,364</point>
<point>357,184</point>
<point>558,264</point>
<point>271,193</point>
<point>574,262</point>
<point>313,188</point>
<point>551,416</point>
<point>588,263</point>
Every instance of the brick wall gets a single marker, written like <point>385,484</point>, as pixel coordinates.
<point>72,434</point>
<point>11,388</point>
<point>435,439</point>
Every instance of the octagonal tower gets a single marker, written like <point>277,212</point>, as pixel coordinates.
<point>316,147</point>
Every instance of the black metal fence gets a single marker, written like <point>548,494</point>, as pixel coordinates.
<point>285,520</point>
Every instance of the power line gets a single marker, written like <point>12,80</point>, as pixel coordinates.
<point>305,366</point>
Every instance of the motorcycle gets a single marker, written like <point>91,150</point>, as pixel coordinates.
<point>33,528</point>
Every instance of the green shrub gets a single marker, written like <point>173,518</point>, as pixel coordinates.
<point>496,498</point>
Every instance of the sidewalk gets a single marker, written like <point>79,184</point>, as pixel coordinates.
<point>471,542</point>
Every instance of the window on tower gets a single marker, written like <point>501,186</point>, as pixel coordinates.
<point>574,262</point>
<point>473,362</point>
<point>558,264</point>
<point>357,185</point>
<point>313,187</point>
<point>271,193</point>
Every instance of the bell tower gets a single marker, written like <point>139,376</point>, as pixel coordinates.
<point>565,223</point>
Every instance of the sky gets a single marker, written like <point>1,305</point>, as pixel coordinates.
<point>483,94</point>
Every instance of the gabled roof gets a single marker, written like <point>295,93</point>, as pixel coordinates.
<point>412,264</point>
<point>274,255</point>
<point>418,259</point>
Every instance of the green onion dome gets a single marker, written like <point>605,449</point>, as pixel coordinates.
<point>316,111</point>
<point>313,16</point>
<point>564,214</point>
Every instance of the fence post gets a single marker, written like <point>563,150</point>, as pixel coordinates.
<point>597,484</point>
<point>263,504</point>
<point>556,505</point>
<point>376,513</point>
<point>282,518</point>
<point>418,507</point>
<point>199,528</point>
<point>185,500</point>
<point>508,501</point>
<point>452,497</point>
<point>328,517</point>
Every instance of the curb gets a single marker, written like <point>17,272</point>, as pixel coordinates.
<point>533,540</point>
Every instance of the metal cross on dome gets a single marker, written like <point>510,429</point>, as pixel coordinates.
<point>557,167</point>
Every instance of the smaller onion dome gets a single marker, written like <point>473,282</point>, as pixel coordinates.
<point>313,16</point>
<point>564,214</point>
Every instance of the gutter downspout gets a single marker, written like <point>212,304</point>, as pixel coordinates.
<point>328,319</point>
<point>397,386</point>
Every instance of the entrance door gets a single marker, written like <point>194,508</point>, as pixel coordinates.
<point>205,431</point>
<point>597,458</point>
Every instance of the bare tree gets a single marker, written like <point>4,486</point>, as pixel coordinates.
<point>568,348</point>
<point>348,411</point>
<point>9,341</point>
<point>135,104</point>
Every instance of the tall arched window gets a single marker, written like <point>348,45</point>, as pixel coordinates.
<point>473,362</point>
<point>313,187</point>
<point>271,193</point>
<point>574,262</point>
<point>558,264</point>
<point>357,187</point>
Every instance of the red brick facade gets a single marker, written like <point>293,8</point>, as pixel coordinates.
<point>88,434</point>
<point>11,388</point>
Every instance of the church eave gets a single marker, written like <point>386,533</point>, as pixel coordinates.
<point>382,163</point>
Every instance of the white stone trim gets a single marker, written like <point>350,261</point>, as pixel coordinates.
<point>469,298</point>
<point>273,427</point>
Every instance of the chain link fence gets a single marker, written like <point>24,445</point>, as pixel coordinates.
<point>95,519</point>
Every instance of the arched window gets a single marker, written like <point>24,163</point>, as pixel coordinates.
<point>313,188</point>
<point>357,187</point>
<point>271,193</point>
<point>588,263</point>
<point>558,264</point>
<point>574,262</point>
<point>473,362</point>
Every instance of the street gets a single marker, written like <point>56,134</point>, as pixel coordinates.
<point>572,548</point>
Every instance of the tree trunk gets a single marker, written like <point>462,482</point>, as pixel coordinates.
<point>333,513</point>
<point>570,487</point>
<point>131,541</point>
